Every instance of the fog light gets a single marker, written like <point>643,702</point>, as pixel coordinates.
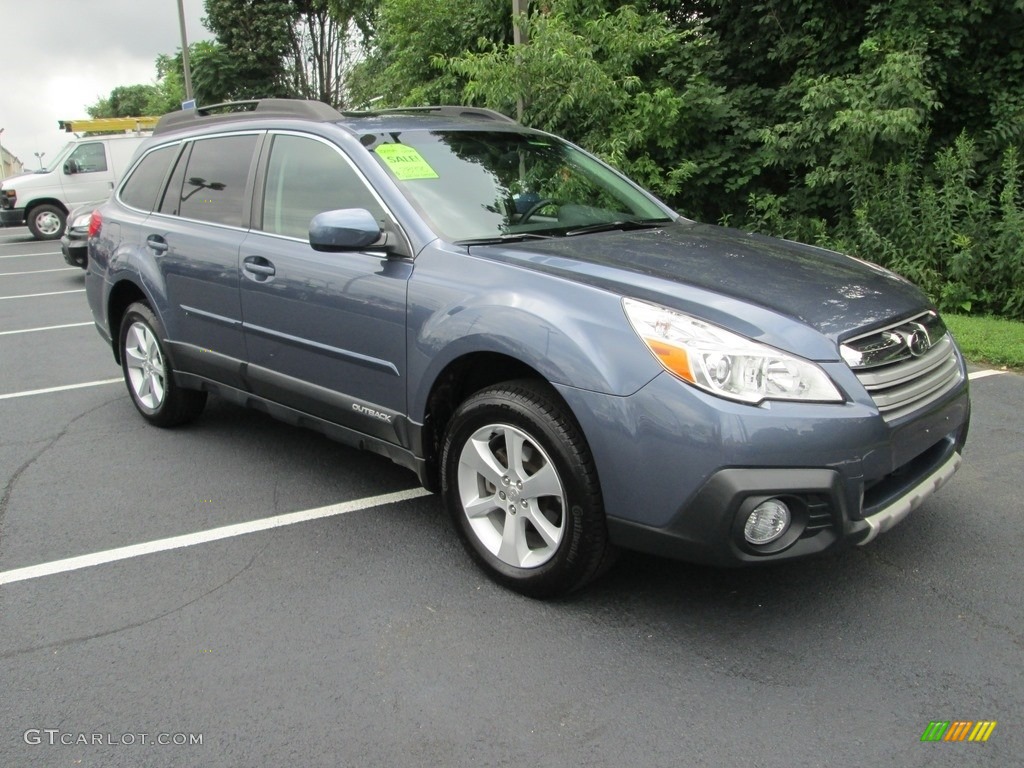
<point>769,520</point>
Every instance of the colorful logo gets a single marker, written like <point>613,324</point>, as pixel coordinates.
<point>958,730</point>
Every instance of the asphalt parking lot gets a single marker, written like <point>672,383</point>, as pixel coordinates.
<point>243,593</point>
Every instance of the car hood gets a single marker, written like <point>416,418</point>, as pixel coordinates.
<point>681,263</point>
<point>11,181</point>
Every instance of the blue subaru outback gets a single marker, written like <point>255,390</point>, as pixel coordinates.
<point>573,366</point>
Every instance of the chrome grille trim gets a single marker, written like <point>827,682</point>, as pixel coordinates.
<point>899,376</point>
<point>899,341</point>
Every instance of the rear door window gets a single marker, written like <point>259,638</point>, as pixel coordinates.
<point>215,179</point>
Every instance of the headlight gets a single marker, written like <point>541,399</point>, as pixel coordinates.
<point>724,363</point>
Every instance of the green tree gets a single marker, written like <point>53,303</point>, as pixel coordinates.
<point>412,39</point>
<point>600,79</point>
<point>124,101</point>
<point>840,90</point>
<point>283,48</point>
<point>214,76</point>
<point>253,38</point>
<point>324,43</point>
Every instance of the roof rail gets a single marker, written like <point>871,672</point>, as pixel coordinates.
<point>256,108</point>
<point>446,110</point>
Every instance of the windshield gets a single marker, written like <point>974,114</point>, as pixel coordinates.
<point>493,185</point>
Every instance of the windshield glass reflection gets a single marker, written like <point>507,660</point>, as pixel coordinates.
<point>494,185</point>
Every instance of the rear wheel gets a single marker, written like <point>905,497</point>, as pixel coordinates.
<point>46,222</point>
<point>148,374</point>
<point>522,490</point>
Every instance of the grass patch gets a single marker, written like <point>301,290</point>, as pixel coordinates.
<point>989,340</point>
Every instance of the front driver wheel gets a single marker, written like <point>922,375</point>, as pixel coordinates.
<point>147,372</point>
<point>522,490</point>
<point>46,222</point>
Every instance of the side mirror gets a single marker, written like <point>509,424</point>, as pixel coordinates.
<point>348,229</point>
<point>71,167</point>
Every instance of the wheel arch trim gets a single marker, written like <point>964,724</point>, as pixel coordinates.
<point>124,290</point>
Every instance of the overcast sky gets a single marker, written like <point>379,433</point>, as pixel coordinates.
<point>60,56</point>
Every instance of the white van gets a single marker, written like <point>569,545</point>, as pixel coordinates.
<point>84,170</point>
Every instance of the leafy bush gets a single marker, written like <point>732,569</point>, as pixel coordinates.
<point>957,232</point>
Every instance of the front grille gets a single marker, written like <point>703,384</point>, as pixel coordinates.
<point>905,366</point>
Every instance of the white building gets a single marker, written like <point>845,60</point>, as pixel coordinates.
<point>9,164</point>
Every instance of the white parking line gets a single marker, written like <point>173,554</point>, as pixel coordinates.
<point>35,295</point>
<point>38,271</point>
<point>202,537</point>
<point>45,328</point>
<point>65,388</point>
<point>984,374</point>
<point>28,255</point>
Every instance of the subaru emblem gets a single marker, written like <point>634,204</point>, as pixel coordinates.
<point>918,342</point>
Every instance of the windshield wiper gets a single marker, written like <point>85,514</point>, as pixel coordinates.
<point>623,225</point>
<point>517,237</point>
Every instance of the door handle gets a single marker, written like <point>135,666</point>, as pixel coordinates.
<point>259,267</point>
<point>157,243</point>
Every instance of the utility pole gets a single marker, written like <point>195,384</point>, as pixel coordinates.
<point>184,52</point>
<point>520,8</point>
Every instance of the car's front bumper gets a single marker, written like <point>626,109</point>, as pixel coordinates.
<point>75,251</point>
<point>12,217</point>
<point>680,472</point>
<point>710,529</point>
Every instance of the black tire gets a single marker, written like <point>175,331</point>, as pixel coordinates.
<point>46,222</point>
<point>543,538</point>
<point>147,371</point>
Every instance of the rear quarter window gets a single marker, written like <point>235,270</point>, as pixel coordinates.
<point>143,186</point>
<point>215,180</point>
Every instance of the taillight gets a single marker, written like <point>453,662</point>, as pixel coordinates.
<point>95,223</point>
